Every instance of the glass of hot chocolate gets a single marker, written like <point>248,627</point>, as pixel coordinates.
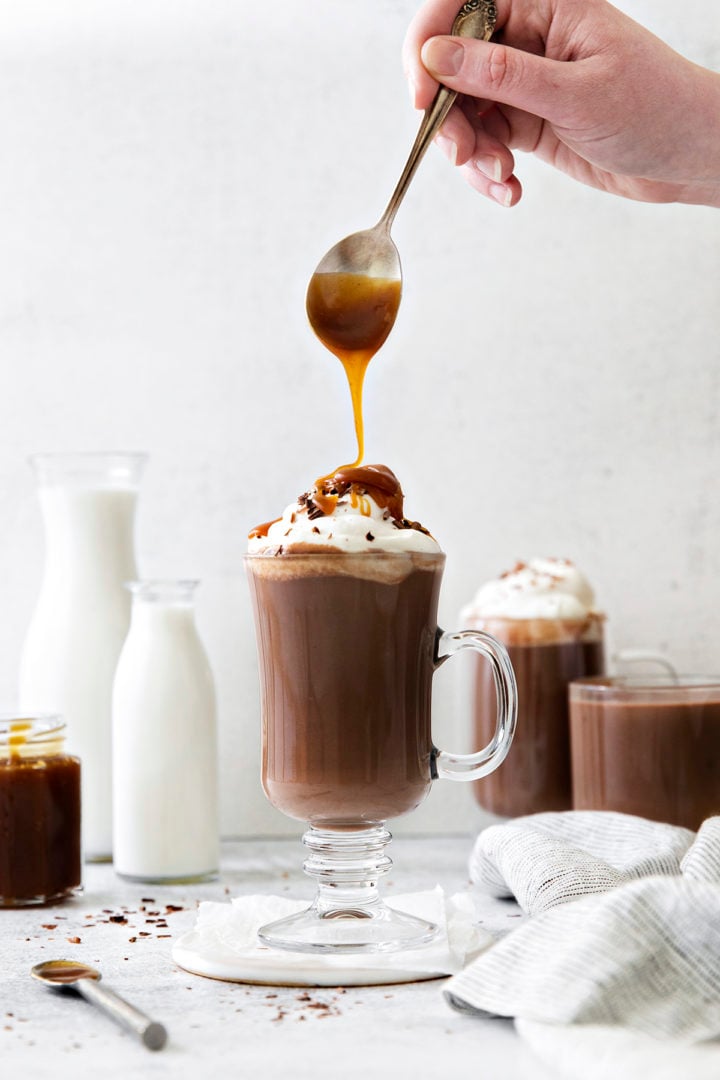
<point>647,745</point>
<point>543,612</point>
<point>345,594</point>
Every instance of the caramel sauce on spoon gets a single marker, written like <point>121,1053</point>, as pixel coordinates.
<point>352,315</point>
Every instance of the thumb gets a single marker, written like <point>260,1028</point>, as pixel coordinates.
<point>499,73</point>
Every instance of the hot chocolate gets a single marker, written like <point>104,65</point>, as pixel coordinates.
<point>542,613</point>
<point>345,594</point>
<point>346,636</point>
<point>346,702</point>
<point>648,746</point>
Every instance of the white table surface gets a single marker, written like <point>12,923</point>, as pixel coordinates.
<point>371,1032</point>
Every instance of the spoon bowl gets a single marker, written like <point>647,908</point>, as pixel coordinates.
<point>63,972</point>
<point>371,252</point>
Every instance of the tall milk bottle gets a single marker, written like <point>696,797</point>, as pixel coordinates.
<point>82,614</point>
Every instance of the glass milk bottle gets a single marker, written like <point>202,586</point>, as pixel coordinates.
<point>82,614</point>
<point>165,798</point>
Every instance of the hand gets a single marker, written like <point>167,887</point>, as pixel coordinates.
<point>579,84</point>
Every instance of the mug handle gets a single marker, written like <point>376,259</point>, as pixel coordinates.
<point>634,656</point>
<point>447,766</point>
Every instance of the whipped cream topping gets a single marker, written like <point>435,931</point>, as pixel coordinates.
<point>537,589</point>
<point>358,508</point>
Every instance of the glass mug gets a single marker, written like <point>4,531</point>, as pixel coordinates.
<point>547,655</point>
<point>647,745</point>
<point>348,645</point>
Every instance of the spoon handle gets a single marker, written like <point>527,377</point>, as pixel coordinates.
<point>150,1033</point>
<point>475,19</point>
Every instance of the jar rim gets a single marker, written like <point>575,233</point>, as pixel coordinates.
<point>25,734</point>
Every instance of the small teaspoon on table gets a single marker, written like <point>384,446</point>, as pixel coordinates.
<point>86,980</point>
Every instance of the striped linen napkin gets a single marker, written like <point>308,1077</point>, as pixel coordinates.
<point>616,968</point>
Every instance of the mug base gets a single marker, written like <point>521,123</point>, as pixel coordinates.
<point>348,914</point>
<point>364,929</point>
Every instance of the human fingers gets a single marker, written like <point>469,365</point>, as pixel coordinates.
<point>526,20</point>
<point>461,141</point>
<point>507,193</point>
<point>434,17</point>
<point>499,73</point>
<point>514,128</point>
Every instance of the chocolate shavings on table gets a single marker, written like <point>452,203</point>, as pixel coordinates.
<point>156,918</point>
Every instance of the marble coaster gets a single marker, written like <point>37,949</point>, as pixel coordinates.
<point>223,945</point>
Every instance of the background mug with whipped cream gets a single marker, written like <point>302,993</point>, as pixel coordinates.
<point>544,613</point>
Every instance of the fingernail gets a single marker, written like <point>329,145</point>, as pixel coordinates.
<point>448,147</point>
<point>501,193</point>
<point>442,56</point>
<point>490,167</point>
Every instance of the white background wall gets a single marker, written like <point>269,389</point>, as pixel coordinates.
<point>170,173</point>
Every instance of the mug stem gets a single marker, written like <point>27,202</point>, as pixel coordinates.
<point>348,914</point>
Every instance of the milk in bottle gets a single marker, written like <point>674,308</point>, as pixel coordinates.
<point>82,613</point>
<point>164,742</point>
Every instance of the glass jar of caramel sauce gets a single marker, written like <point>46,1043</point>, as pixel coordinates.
<point>40,856</point>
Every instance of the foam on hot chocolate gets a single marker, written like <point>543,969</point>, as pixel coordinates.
<point>356,509</point>
<point>537,589</point>
<point>550,599</point>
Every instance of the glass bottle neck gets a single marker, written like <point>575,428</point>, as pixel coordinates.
<point>160,592</point>
<point>111,470</point>
<point>163,604</point>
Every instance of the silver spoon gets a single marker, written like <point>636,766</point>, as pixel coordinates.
<point>372,252</point>
<point>86,980</point>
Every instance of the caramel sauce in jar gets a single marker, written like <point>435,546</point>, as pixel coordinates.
<point>40,855</point>
<point>352,314</point>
